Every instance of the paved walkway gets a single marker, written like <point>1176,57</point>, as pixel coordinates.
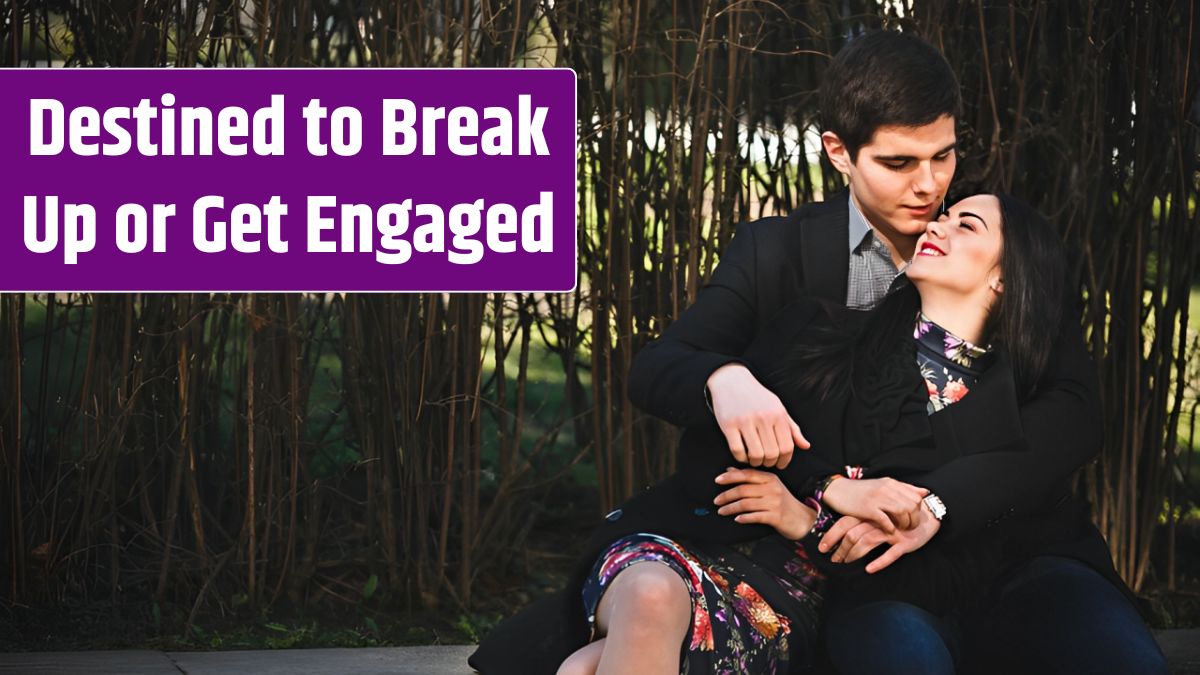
<point>1181,646</point>
<point>359,661</point>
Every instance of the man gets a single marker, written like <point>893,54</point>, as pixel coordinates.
<point>889,103</point>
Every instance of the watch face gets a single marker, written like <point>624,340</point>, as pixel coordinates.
<point>935,506</point>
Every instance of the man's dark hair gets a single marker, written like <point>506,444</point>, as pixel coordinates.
<point>883,79</point>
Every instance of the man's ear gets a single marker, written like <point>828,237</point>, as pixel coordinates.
<point>836,150</point>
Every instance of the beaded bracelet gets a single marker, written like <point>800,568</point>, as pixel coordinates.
<point>824,520</point>
<point>819,492</point>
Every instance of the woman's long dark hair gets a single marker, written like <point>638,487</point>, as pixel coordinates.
<point>1024,320</point>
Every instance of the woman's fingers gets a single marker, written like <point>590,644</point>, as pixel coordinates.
<point>747,505</point>
<point>891,555</point>
<point>867,543</point>
<point>900,501</point>
<point>731,495</point>
<point>741,493</point>
<point>757,518</point>
<point>901,519</point>
<point>833,536</point>
<point>749,490</point>
<point>753,491</point>
<point>852,539</point>
<point>881,519</point>
<point>734,476</point>
<point>904,515</point>
<point>860,540</point>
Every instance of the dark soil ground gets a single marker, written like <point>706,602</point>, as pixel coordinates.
<point>135,621</point>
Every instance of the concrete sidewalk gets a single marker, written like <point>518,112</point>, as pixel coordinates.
<point>358,661</point>
<point>1182,648</point>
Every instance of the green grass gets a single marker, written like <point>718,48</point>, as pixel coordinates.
<point>1189,446</point>
<point>1194,309</point>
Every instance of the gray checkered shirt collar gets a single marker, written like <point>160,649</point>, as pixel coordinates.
<point>859,229</point>
<point>871,270</point>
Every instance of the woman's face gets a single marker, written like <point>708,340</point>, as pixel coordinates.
<point>960,251</point>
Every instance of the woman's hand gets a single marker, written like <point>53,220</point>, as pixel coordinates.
<point>757,426</point>
<point>886,502</point>
<point>760,497</point>
<point>854,538</point>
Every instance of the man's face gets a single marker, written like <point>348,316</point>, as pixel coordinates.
<point>900,177</point>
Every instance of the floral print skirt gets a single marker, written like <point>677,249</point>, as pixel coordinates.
<point>754,605</point>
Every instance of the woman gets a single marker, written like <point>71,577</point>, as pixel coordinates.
<point>732,589</point>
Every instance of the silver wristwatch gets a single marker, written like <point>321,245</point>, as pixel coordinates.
<point>936,506</point>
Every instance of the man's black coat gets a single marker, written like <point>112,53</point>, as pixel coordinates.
<point>773,262</point>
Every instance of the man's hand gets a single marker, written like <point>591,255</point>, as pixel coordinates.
<point>854,538</point>
<point>760,497</point>
<point>886,502</point>
<point>759,430</point>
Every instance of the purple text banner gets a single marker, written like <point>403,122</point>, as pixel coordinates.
<point>288,180</point>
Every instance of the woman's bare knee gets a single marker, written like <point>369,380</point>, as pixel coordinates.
<point>648,593</point>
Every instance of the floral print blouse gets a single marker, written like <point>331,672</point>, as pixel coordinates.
<point>949,364</point>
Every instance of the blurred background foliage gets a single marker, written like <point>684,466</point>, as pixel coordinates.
<point>222,453</point>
